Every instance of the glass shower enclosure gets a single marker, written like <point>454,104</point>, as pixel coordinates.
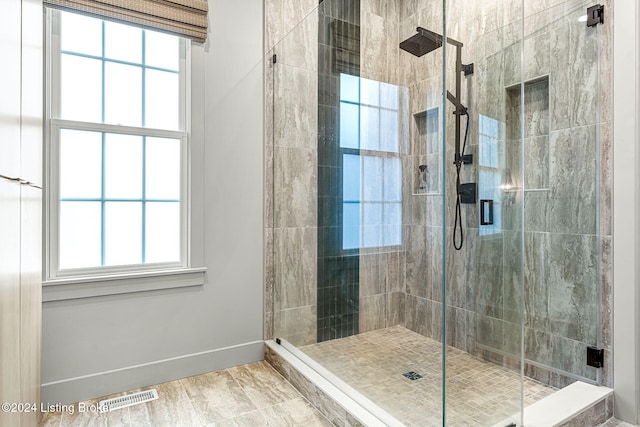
<point>437,195</point>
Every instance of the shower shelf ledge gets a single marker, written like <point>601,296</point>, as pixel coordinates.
<point>563,406</point>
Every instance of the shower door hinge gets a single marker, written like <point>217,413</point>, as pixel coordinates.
<point>595,357</point>
<point>274,58</point>
<point>595,15</point>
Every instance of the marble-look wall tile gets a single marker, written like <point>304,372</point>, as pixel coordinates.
<point>295,11</point>
<point>536,285</point>
<point>277,362</point>
<point>594,416</point>
<point>295,412</point>
<point>325,404</point>
<point>462,269</point>
<point>573,285</point>
<point>489,332</point>
<point>606,283</point>
<point>392,280</point>
<point>571,356</point>
<point>269,280</point>
<point>268,186</point>
<point>512,65</point>
<point>560,78</point>
<point>300,46</point>
<point>295,267</point>
<point>574,176</point>
<point>295,187</point>
<point>434,255</point>
<point>536,152</point>
<point>297,325</point>
<point>512,339</point>
<point>372,274</point>
<point>537,56</point>
<point>372,313</point>
<point>489,292</point>
<point>254,378</point>
<point>373,44</point>
<point>274,26</point>
<point>295,107</point>
<point>417,274</point>
<point>396,308</point>
<point>605,144</point>
<point>419,315</point>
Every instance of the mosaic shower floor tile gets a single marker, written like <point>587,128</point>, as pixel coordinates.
<point>381,363</point>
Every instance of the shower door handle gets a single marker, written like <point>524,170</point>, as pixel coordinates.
<point>486,212</point>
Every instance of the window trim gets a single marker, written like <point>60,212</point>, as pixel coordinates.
<point>109,280</point>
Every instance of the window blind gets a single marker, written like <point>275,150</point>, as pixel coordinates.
<point>187,18</point>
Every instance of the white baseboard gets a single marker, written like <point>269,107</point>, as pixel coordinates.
<point>72,390</point>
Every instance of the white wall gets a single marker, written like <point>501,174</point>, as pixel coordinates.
<point>626,235</point>
<point>95,346</point>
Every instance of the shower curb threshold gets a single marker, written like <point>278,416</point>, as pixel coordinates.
<point>563,406</point>
<point>350,400</point>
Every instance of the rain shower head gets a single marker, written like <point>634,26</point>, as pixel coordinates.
<point>422,43</point>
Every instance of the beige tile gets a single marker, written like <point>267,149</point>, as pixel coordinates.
<point>217,396</point>
<point>172,408</point>
<point>250,419</point>
<point>51,419</point>
<point>478,392</point>
<point>264,386</point>
<point>296,412</point>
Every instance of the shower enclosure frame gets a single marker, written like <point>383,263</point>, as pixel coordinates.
<point>283,50</point>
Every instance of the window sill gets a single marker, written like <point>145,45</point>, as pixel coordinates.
<point>97,286</point>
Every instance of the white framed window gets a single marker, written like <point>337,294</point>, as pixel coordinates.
<point>117,127</point>
<point>371,163</point>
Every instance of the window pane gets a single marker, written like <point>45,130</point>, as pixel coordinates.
<point>80,34</point>
<point>392,179</point>
<point>163,232</point>
<point>392,227</point>
<point>372,213</point>
<point>79,235</point>
<point>123,94</point>
<point>350,225</point>
<point>371,236</point>
<point>389,131</point>
<point>80,164</point>
<point>369,92</point>
<point>163,168</point>
<point>81,88</point>
<point>162,90</point>
<point>123,166</point>
<point>372,179</point>
<point>162,50</point>
<point>123,233</point>
<point>389,96</point>
<point>369,128</point>
<point>349,88</point>
<point>349,125</point>
<point>122,42</point>
<point>351,177</point>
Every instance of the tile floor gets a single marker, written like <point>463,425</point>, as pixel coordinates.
<point>250,395</point>
<point>478,393</point>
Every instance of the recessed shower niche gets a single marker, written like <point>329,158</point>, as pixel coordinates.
<point>426,152</point>
<point>536,133</point>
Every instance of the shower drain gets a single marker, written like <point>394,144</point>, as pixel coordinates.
<point>412,375</point>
